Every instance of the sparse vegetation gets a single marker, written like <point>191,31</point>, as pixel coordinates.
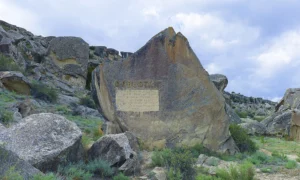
<point>241,114</point>
<point>178,159</point>
<point>242,139</point>
<point>49,176</point>
<point>43,92</point>
<point>291,164</point>
<point>244,171</point>
<point>8,64</point>
<point>87,101</point>
<point>84,171</point>
<point>6,116</point>
<point>121,176</point>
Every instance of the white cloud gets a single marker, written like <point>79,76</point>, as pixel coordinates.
<point>283,52</point>
<point>22,17</point>
<point>276,99</point>
<point>214,33</point>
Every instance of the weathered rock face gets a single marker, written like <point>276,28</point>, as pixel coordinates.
<point>15,81</point>
<point>295,125</point>
<point>278,123</point>
<point>233,117</point>
<point>164,96</point>
<point>119,150</point>
<point>254,128</point>
<point>290,100</point>
<point>44,140</point>
<point>281,121</point>
<point>69,56</point>
<point>9,160</point>
<point>219,80</point>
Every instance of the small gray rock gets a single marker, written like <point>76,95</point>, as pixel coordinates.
<point>116,150</point>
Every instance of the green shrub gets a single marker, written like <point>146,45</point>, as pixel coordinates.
<point>100,167</point>
<point>242,139</point>
<point>242,114</point>
<point>63,109</point>
<point>174,174</point>
<point>244,171</point>
<point>84,170</point>
<point>73,172</point>
<point>178,159</point>
<point>6,116</point>
<point>159,157</point>
<point>206,177</point>
<point>41,91</point>
<point>49,176</point>
<point>87,101</point>
<point>291,164</point>
<point>121,176</point>
<point>12,174</point>
<point>8,64</point>
<point>259,118</point>
<point>85,141</point>
<point>259,158</point>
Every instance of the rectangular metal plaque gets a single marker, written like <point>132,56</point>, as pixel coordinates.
<point>137,100</point>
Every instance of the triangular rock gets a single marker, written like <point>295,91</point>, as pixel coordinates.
<point>164,96</point>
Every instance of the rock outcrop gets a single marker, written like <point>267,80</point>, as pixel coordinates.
<point>67,57</point>
<point>9,161</point>
<point>254,128</point>
<point>164,96</point>
<point>15,81</point>
<point>295,125</point>
<point>219,80</point>
<point>44,140</point>
<point>280,121</point>
<point>119,150</point>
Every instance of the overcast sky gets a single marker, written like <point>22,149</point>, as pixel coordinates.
<point>256,43</point>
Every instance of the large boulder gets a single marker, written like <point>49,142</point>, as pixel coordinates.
<point>219,80</point>
<point>119,150</point>
<point>278,123</point>
<point>254,128</point>
<point>67,57</point>
<point>164,96</point>
<point>15,81</point>
<point>290,100</point>
<point>44,140</point>
<point>295,125</point>
<point>9,161</point>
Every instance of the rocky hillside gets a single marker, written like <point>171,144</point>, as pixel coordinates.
<point>92,112</point>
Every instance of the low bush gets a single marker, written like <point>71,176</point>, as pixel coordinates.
<point>99,167</point>
<point>174,174</point>
<point>74,172</point>
<point>87,101</point>
<point>242,114</point>
<point>6,116</point>
<point>178,159</point>
<point>121,176</point>
<point>244,171</point>
<point>8,64</point>
<point>260,158</point>
<point>159,157</point>
<point>259,118</point>
<point>12,174</point>
<point>291,164</point>
<point>242,139</point>
<point>49,176</point>
<point>41,91</point>
<point>82,170</point>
